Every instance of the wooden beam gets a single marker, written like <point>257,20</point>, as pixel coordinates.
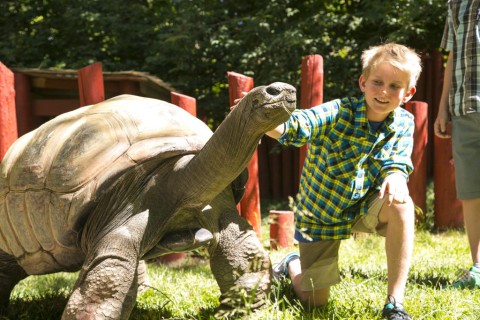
<point>53,107</point>
<point>23,103</point>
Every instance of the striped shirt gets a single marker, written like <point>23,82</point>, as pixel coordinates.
<point>462,35</point>
<point>346,162</point>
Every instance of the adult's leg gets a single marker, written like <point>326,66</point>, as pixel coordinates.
<point>471,216</point>
<point>466,151</point>
<point>399,218</point>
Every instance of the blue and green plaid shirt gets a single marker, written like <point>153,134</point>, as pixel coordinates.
<point>346,161</point>
<point>462,35</point>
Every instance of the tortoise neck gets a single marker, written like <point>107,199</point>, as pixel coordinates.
<point>223,157</point>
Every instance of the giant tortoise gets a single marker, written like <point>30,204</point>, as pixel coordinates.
<point>100,188</point>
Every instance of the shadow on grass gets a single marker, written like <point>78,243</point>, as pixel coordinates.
<point>436,282</point>
<point>47,307</point>
<point>428,280</point>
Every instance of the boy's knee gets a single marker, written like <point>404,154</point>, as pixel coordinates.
<point>315,299</point>
<point>404,211</point>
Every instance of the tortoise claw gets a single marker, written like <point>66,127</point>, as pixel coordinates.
<point>181,241</point>
<point>186,240</point>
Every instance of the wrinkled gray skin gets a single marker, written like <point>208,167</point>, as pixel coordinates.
<point>105,186</point>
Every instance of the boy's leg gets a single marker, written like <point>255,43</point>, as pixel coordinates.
<point>400,221</point>
<point>314,298</point>
<point>315,272</point>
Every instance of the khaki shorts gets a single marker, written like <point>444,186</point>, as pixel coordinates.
<point>466,155</point>
<point>319,259</point>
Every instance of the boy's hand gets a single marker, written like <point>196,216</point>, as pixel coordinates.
<point>236,101</point>
<point>395,188</point>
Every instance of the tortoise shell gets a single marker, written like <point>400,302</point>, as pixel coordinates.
<point>50,177</point>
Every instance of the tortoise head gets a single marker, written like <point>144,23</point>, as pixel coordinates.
<point>269,105</point>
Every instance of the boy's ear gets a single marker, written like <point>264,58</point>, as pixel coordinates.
<point>361,82</point>
<point>409,94</point>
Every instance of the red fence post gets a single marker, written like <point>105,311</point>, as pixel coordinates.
<point>8,118</point>
<point>311,93</point>
<point>23,104</point>
<point>90,84</point>
<point>249,206</point>
<point>448,209</point>
<point>281,229</point>
<point>189,104</point>
<point>185,102</point>
<point>417,183</point>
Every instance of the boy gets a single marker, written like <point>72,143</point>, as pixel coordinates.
<point>354,178</point>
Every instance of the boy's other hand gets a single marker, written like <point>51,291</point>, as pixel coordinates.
<point>236,101</point>
<point>395,188</point>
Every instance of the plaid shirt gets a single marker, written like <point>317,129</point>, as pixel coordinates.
<point>346,162</point>
<point>462,35</point>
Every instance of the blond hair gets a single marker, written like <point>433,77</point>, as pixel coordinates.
<point>399,56</point>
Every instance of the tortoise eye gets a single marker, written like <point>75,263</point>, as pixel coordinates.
<point>273,91</point>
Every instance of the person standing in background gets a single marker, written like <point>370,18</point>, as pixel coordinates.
<point>460,101</point>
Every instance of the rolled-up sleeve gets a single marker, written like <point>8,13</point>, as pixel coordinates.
<point>306,124</point>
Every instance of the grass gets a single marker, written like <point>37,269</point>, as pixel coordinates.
<point>189,291</point>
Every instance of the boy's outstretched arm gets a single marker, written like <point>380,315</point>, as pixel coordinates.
<point>275,133</point>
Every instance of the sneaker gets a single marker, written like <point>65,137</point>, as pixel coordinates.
<point>281,268</point>
<point>468,279</point>
<point>394,310</point>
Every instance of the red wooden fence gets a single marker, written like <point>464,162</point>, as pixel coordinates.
<point>90,84</point>
<point>279,166</point>
<point>311,93</point>
<point>249,206</point>
<point>8,118</point>
<point>448,209</point>
<point>282,228</point>
<point>187,103</point>
<point>418,179</point>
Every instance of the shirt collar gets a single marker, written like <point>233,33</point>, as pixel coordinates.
<point>361,120</point>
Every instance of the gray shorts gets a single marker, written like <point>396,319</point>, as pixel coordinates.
<point>466,155</point>
<point>319,259</point>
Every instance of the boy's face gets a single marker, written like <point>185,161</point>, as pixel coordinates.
<point>385,89</point>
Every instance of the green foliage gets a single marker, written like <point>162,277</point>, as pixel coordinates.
<point>192,44</point>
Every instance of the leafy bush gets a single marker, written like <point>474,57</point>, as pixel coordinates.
<point>192,44</point>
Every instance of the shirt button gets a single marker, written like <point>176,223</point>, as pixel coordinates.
<point>356,195</point>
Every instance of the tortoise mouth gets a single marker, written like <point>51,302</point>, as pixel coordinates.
<point>287,104</point>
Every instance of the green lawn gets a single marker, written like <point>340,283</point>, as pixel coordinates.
<point>190,292</point>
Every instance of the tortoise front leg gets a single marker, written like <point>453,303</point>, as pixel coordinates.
<point>108,282</point>
<point>10,274</point>
<point>240,265</point>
